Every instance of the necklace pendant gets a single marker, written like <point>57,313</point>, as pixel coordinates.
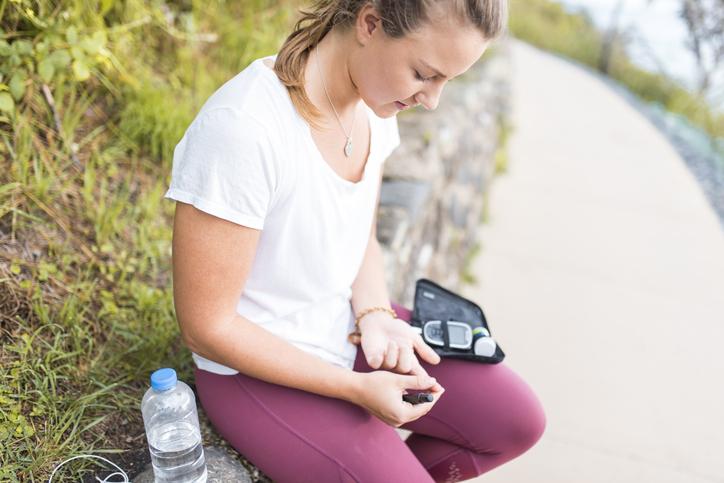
<point>348,148</point>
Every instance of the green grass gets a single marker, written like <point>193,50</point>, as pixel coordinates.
<point>86,307</point>
<point>467,276</point>
<point>500,160</point>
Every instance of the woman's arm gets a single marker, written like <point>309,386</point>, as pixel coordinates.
<point>212,258</point>
<point>243,345</point>
<point>369,288</point>
<point>387,345</point>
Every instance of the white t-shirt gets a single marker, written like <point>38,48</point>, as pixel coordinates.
<point>249,157</point>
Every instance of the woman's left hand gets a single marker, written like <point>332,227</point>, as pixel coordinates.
<point>390,343</point>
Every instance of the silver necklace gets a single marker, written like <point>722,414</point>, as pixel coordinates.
<point>348,145</point>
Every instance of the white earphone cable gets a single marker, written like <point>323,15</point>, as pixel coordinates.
<point>106,479</point>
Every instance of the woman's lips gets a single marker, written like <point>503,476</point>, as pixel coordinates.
<point>400,105</point>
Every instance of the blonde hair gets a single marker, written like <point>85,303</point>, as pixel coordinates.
<point>398,19</point>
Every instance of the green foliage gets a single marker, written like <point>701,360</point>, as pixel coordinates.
<point>46,49</point>
<point>467,276</point>
<point>546,24</point>
<point>94,95</point>
<point>501,152</point>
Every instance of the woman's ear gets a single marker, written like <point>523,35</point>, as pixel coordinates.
<point>368,22</point>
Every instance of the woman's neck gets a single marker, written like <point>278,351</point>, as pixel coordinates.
<point>332,53</point>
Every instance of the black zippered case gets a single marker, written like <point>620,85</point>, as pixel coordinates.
<point>434,302</point>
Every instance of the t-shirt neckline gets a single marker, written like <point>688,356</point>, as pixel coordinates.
<point>310,140</point>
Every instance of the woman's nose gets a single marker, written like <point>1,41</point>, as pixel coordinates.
<point>430,97</point>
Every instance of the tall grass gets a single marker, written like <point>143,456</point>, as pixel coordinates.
<point>86,138</point>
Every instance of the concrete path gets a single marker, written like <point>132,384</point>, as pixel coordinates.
<point>602,276</point>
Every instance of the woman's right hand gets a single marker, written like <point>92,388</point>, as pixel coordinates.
<point>380,392</point>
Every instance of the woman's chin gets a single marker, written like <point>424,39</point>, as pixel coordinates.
<point>388,111</point>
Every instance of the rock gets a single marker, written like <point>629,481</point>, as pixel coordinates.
<point>220,465</point>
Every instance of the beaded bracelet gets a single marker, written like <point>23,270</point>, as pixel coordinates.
<point>373,309</point>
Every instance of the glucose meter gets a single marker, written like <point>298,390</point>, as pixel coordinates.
<point>460,333</point>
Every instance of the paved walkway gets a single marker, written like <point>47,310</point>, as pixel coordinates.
<point>602,276</point>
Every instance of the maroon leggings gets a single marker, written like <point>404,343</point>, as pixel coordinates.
<point>487,416</point>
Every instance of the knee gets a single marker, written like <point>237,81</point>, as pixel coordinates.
<point>526,427</point>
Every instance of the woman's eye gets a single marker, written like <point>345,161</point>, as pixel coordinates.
<point>419,77</point>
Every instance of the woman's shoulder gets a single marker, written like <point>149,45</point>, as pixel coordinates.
<point>249,96</point>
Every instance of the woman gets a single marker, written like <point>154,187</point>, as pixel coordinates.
<point>276,260</point>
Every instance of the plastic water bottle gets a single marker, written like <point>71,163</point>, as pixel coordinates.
<point>172,430</point>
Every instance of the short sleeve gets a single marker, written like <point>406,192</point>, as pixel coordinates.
<point>224,166</point>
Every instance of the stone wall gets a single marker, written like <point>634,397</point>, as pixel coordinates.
<point>434,184</point>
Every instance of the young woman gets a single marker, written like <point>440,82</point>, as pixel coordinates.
<point>275,258</point>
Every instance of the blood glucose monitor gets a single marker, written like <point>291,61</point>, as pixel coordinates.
<point>460,333</point>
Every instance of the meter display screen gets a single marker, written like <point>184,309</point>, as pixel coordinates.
<point>457,334</point>
<point>460,333</point>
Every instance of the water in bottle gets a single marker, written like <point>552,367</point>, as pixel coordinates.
<point>172,430</point>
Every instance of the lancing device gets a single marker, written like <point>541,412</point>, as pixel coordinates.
<point>418,398</point>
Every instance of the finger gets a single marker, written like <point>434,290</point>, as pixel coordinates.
<point>417,381</point>
<point>417,369</point>
<point>374,349</point>
<point>425,351</point>
<point>407,360</point>
<point>436,388</point>
<point>392,354</point>
<point>375,358</point>
<point>432,385</point>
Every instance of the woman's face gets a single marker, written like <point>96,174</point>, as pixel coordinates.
<point>386,70</point>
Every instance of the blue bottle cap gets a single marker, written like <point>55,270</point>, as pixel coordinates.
<point>163,379</point>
